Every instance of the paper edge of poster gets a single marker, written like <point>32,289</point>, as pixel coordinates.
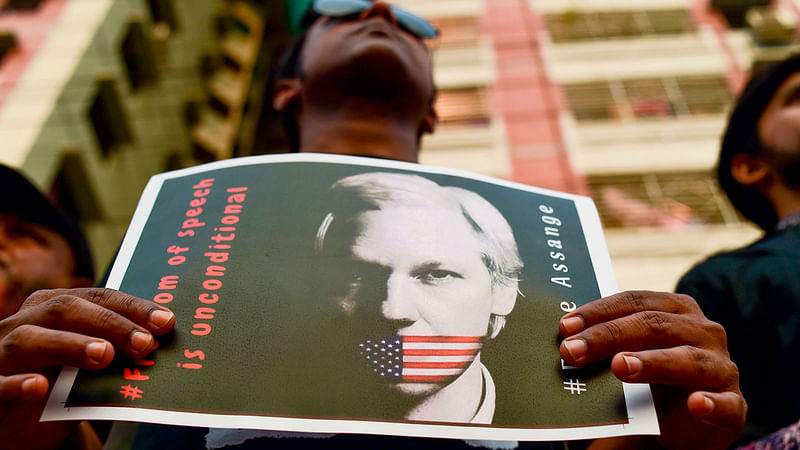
<point>642,414</point>
<point>345,426</point>
<point>135,229</point>
<point>63,384</point>
<point>638,397</point>
<point>55,408</point>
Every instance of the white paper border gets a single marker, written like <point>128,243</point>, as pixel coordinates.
<point>641,411</point>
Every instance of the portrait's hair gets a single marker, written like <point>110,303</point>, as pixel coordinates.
<point>354,195</point>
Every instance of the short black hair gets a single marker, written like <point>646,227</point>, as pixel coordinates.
<point>741,136</point>
<point>289,67</point>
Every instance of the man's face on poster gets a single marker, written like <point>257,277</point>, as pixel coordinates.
<point>419,271</point>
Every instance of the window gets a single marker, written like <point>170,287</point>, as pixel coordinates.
<point>240,29</point>
<point>7,42</point>
<point>72,192</point>
<point>581,26</point>
<point>734,11</point>
<point>22,5</point>
<point>465,107</point>
<point>661,200</point>
<point>456,31</point>
<point>138,56</point>
<point>174,160</point>
<point>643,99</point>
<point>108,117</point>
<point>162,11</point>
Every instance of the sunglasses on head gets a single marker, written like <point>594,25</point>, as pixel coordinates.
<point>413,23</point>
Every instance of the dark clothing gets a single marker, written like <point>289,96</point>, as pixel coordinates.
<point>784,439</point>
<point>149,436</point>
<point>754,292</point>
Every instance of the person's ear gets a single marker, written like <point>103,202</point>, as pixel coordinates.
<point>749,170</point>
<point>287,92</point>
<point>428,123</point>
<point>503,299</point>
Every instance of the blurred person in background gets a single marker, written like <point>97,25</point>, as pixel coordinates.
<point>40,248</point>
<point>754,291</point>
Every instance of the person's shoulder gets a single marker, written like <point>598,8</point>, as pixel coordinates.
<point>715,271</point>
<point>772,243</point>
<point>722,261</point>
<point>784,242</point>
<point>721,270</point>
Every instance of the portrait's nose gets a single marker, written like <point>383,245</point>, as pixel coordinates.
<point>400,304</point>
<point>379,9</point>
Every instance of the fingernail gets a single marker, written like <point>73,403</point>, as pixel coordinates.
<point>29,385</point>
<point>95,351</point>
<point>140,341</point>
<point>709,404</point>
<point>634,365</point>
<point>573,324</point>
<point>576,348</point>
<point>159,317</point>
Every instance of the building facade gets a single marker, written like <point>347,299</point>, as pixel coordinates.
<point>621,100</point>
<point>96,96</point>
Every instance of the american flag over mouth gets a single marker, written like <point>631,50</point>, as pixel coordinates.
<point>421,359</point>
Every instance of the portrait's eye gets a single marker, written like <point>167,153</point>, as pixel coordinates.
<point>356,278</point>
<point>433,276</point>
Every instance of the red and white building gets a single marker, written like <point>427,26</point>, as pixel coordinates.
<point>623,100</point>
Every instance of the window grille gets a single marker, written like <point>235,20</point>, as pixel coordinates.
<point>466,107</point>
<point>645,99</point>
<point>661,199</point>
<point>574,26</point>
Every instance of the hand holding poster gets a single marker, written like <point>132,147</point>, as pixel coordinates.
<point>343,295</point>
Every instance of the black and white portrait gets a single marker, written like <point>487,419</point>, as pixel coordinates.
<point>433,271</point>
<point>361,293</point>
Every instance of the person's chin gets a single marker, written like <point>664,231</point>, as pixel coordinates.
<point>384,56</point>
<point>380,52</point>
<point>376,68</point>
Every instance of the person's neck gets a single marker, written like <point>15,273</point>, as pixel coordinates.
<point>459,401</point>
<point>359,129</point>
<point>785,200</point>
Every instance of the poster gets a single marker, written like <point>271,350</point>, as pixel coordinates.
<point>331,294</point>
